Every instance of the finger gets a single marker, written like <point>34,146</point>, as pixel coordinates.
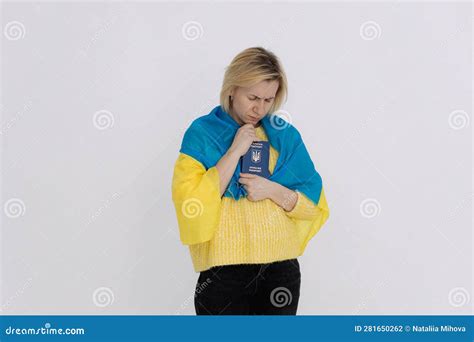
<point>247,175</point>
<point>248,129</point>
<point>252,132</point>
<point>251,176</point>
<point>252,135</point>
<point>244,181</point>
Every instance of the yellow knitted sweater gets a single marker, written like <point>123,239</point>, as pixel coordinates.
<point>223,231</point>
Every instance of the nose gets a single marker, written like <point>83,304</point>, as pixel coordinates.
<point>260,107</point>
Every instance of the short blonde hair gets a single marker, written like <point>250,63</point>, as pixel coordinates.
<point>250,67</point>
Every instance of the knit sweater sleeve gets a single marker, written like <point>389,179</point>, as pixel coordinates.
<point>309,217</point>
<point>197,200</point>
<point>305,209</point>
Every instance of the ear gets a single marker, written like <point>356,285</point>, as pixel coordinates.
<point>233,91</point>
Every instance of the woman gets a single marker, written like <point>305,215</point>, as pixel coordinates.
<point>245,231</point>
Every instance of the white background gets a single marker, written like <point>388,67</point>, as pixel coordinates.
<point>381,93</point>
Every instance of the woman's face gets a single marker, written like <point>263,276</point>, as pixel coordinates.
<point>251,104</point>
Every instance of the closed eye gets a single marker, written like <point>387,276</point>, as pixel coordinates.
<point>254,98</point>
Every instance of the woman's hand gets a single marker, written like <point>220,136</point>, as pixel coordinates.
<point>257,187</point>
<point>226,165</point>
<point>243,139</point>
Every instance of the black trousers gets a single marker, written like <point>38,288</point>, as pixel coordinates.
<point>249,289</point>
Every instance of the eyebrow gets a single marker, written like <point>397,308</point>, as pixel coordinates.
<point>258,97</point>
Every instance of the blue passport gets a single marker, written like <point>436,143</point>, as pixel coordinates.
<point>256,159</point>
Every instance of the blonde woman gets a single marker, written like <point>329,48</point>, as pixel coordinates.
<point>245,231</point>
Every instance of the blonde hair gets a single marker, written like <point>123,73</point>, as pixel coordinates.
<point>250,67</point>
